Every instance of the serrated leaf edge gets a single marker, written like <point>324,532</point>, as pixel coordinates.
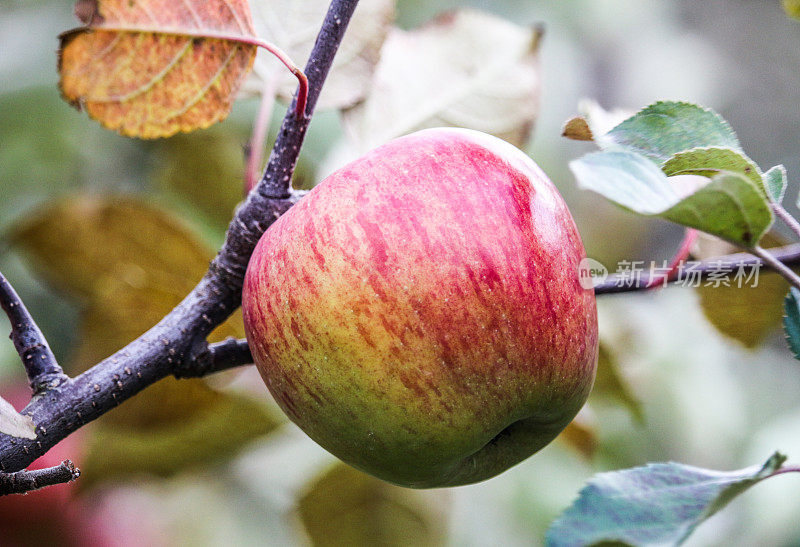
<point>765,471</point>
<point>792,297</point>
<point>660,102</point>
<point>744,156</point>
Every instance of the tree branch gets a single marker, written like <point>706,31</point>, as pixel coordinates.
<point>218,357</point>
<point>178,342</point>
<point>40,364</point>
<point>21,482</point>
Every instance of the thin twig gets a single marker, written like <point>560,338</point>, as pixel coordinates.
<point>40,364</point>
<point>624,283</point>
<point>21,482</point>
<point>787,218</point>
<point>777,265</point>
<point>787,468</point>
<point>255,148</point>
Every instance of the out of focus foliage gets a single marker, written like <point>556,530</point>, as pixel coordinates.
<point>101,235</point>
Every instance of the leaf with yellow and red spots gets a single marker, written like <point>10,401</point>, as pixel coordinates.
<point>151,68</point>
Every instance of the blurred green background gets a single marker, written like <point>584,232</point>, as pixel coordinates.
<point>101,235</point>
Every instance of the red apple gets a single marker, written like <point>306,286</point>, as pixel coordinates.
<point>419,313</point>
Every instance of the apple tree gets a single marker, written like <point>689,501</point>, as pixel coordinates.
<point>426,313</point>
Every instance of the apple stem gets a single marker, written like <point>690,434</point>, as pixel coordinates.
<point>40,364</point>
<point>302,89</point>
<point>21,482</point>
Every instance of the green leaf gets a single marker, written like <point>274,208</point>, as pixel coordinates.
<point>792,8</point>
<point>54,151</point>
<point>15,424</point>
<point>730,206</point>
<point>347,507</point>
<point>709,162</point>
<point>665,128</point>
<point>791,321</point>
<point>775,181</point>
<point>660,504</point>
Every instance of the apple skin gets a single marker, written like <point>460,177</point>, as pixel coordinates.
<point>419,314</point>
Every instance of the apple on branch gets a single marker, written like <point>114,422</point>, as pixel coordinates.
<point>419,313</point>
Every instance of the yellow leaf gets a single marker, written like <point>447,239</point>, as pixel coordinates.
<point>792,8</point>
<point>750,313</point>
<point>151,68</point>
<point>581,433</point>
<point>347,507</point>
<point>213,434</point>
<point>204,169</point>
<point>130,263</point>
<point>612,386</point>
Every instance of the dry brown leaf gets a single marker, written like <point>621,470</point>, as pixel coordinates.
<point>151,68</point>
<point>593,122</point>
<point>465,69</point>
<point>577,129</point>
